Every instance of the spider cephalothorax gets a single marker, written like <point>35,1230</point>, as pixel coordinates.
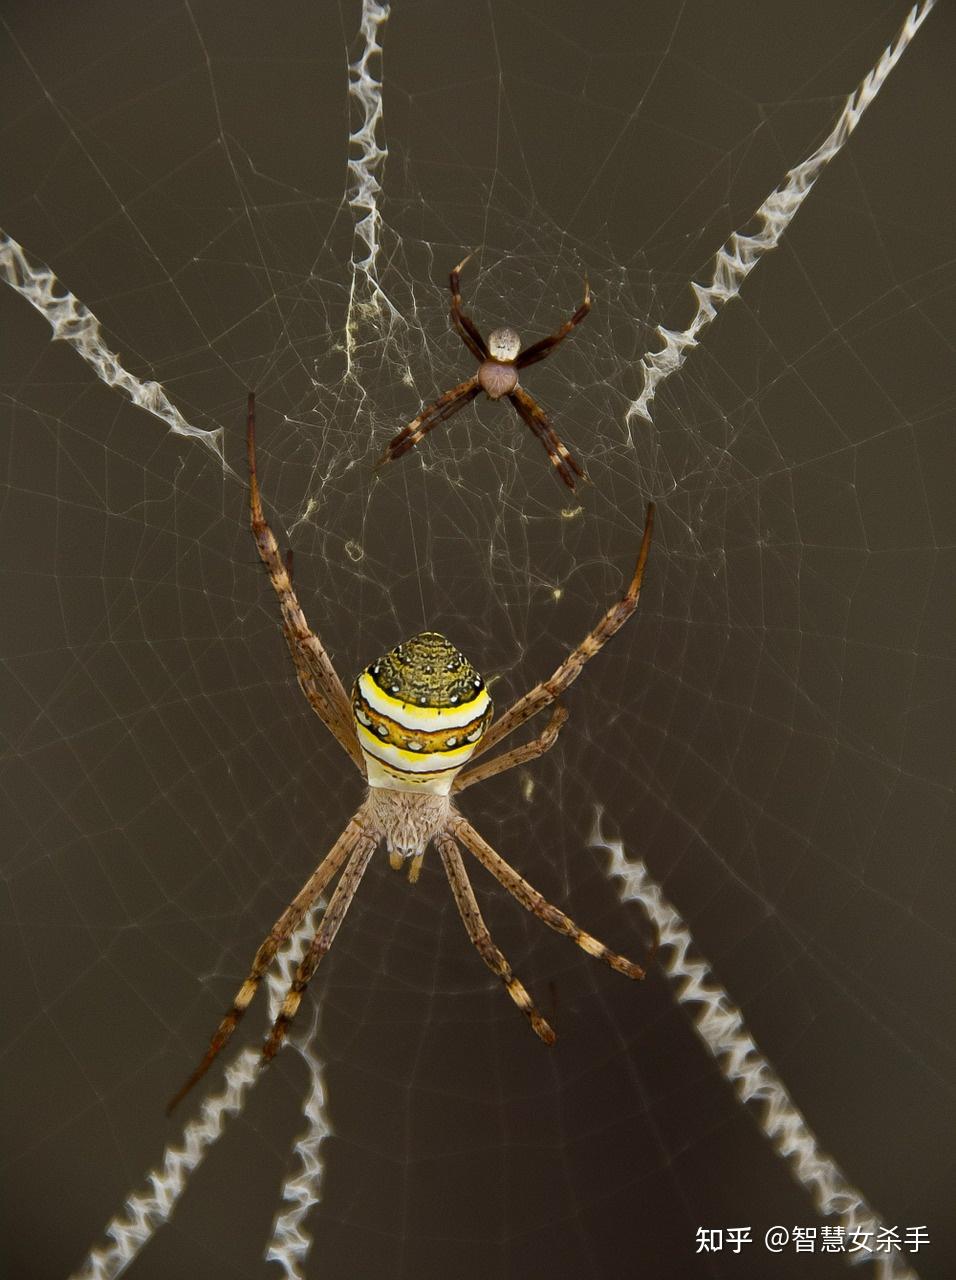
<point>416,717</point>
<point>500,360</point>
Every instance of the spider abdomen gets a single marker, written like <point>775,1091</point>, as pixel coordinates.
<point>419,711</point>
<point>496,379</point>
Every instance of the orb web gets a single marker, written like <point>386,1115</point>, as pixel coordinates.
<point>759,764</point>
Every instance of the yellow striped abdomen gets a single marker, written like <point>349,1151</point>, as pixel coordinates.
<point>419,712</point>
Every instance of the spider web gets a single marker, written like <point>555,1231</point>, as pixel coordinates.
<point>199,199</point>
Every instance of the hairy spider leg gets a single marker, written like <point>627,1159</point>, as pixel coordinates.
<point>537,904</point>
<point>548,691</point>
<point>280,932</point>
<point>518,756</point>
<point>465,327</point>
<point>333,916</point>
<point>478,933</point>
<point>317,676</point>
<point>443,408</point>
<point>539,423</point>
<point>538,350</point>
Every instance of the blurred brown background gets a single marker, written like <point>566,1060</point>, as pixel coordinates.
<point>773,733</point>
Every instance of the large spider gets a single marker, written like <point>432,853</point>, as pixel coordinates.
<point>499,361</point>
<point>415,718</point>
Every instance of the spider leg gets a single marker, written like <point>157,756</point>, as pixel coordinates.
<point>317,676</point>
<point>283,928</point>
<point>543,694</point>
<point>332,917</point>
<point>535,417</point>
<point>478,933</point>
<point>537,904</point>
<point>538,350</point>
<point>305,671</point>
<point>465,327</point>
<point>519,755</point>
<point>435,414</point>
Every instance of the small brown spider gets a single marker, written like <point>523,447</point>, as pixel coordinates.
<point>500,359</point>
<point>414,719</point>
